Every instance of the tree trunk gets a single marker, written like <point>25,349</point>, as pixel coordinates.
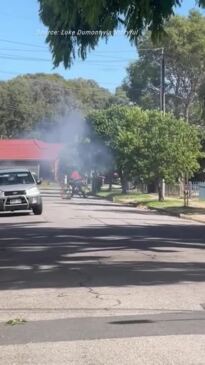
<point>151,188</point>
<point>94,184</point>
<point>161,190</point>
<point>124,187</point>
<point>110,180</point>
<point>124,183</point>
<point>187,113</point>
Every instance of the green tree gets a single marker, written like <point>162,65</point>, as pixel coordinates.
<point>96,18</point>
<point>142,81</point>
<point>16,110</point>
<point>121,97</point>
<point>118,128</point>
<point>90,94</point>
<point>148,144</point>
<point>37,105</point>
<point>31,105</point>
<point>171,148</point>
<point>184,47</point>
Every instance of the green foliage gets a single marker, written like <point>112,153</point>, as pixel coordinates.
<point>121,97</point>
<point>148,144</point>
<point>115,126</point>
<point>33,104</point>
<point>143,76</point>
<point>16,321</point>
<point>99,19</point>
<point>90,94</point>
<point>184,47</point>
<point>171,148</point>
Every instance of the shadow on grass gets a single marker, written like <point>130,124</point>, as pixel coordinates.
<point>183,210</point>
<point>154,205</point>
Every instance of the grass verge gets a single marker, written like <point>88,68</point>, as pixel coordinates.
<point>172,206</point>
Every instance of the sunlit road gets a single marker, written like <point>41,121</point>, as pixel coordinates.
<point>99,283</point>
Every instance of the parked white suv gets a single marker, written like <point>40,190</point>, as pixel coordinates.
<point>19,191</point>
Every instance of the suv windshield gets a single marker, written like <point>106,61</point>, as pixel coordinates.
<point>15,178</point>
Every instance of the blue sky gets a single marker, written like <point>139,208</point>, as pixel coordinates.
<point>23,49</point>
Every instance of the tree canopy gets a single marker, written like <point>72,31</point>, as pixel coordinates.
<point>147,144</point>
<point>35,105</point>
<point>184,48</point>
<point>75,27</point>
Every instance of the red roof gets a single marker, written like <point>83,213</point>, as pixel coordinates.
<point>29,149</point>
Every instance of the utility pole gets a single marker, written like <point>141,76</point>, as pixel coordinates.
<point>161,182</point>
<point>162,83</point>
<point>162,107</point>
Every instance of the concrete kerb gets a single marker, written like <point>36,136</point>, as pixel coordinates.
<point>196,218</point>
<point>200,219</point>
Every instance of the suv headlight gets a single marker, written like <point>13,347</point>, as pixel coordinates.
<point>32,192</point>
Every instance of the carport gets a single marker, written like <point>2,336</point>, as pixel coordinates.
<point>39,157</point>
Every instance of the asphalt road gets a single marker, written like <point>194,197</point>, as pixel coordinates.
<point>92,328</point>
<point>96,276</point>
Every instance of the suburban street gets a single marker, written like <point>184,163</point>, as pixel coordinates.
<point>102,182</point>
<point>100,283</point>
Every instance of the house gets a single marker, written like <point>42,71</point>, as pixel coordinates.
<point>39,157</point>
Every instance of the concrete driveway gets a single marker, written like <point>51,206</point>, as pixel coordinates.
<point>99,283</point>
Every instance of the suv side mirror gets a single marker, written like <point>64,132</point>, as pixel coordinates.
<point>38,182</point>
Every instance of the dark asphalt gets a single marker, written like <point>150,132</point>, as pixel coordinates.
<point>92,328</point>
<point>24,250</point>
<point>115,248</point>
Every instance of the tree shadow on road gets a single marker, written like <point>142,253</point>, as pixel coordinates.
<point>45,257</point>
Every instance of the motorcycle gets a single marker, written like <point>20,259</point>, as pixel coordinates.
<point>66,192</point>
<point>79,189</point>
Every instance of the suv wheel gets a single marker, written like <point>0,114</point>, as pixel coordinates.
<point>38,209</point>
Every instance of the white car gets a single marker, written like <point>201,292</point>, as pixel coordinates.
<point>19,191</point>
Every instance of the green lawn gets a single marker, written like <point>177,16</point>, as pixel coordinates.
<point>117,196</point>
<point>176,206</point>
<point>131,197</point>
<point>169,205</point>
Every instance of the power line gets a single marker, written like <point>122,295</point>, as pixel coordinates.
<point>24,58</point>
<point>45,48</point>
<point>22,43</point>
<point>24,50</point>
<point>103,58</point>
